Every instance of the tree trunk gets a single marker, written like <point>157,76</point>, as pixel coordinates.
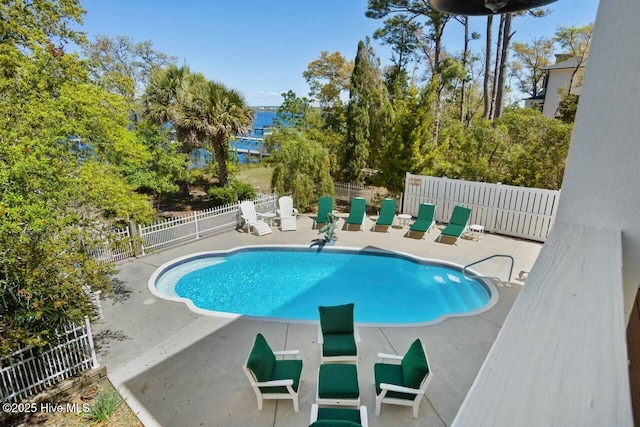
<point>487,69</point>
<point>220,153</point>
<point>464,64</point>
<point>506,37</point>
<point>496,70</point>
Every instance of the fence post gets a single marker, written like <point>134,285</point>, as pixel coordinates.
<point>92,349</point>
<point>140,242</point>
<point>441,197</point>
<point>135,232</point>
<point>195,220</point>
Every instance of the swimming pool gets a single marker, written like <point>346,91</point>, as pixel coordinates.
<point>286,282</point>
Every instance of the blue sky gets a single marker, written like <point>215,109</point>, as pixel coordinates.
<point>261,48</point>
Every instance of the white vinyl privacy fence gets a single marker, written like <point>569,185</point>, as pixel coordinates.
<point>30,370</point>
<point>513,211</point>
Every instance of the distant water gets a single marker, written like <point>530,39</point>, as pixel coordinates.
<point>201,157</point>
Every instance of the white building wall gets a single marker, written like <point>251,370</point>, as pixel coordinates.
<point>559,79</point>
<point>568,324</point>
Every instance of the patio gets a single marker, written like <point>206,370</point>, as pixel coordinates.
<point>176,367</point>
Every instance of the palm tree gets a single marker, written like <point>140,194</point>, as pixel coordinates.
<point>168,93</point>
<point>218,113</point>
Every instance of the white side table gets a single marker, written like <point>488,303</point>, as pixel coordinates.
<point>403,219</point>
<point>268,217</point>
<point>476,231</point>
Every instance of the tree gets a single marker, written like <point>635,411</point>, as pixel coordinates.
<point>530,61</point>
<point>64,144</point>
<point>399,32</point>
<point>293,111</point>
<point>505,25</point>
<point>429,35</point>
<point>35,25</point>
<point>409,137</point>
<point>328,76</point>
<point>366,115</point>
<point>487,69</point>
<point>568,106</point>
<point>217,112</point>
<point>168,93</point>
<point>123,66</point>
<point>575,41</point>
<point>301,165</point>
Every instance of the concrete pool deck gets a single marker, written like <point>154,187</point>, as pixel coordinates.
<point>176,367</point>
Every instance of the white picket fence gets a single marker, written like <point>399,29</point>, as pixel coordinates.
<point>29,371</point>
<point>347,191</point>
<point>513,211</point>
<point>197,224</point>
<point>120,248</point>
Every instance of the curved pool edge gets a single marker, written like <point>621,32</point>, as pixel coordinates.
<point>489,286</point>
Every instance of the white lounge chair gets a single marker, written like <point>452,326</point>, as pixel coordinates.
<point>248,210</point>
<point>287,214</point>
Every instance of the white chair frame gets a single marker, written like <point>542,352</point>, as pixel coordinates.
<point>287,214</point>
<point>334,359</point>
<point>364,420</point>
<point>419,392</point>
<point>255,384</point>
<point>248,213</point>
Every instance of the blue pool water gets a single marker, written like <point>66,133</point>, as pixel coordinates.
<point>291,284</point>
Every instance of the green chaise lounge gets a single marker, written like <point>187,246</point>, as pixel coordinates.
<point>424,221</point>
<point>271,378</point>
<point>387,214</point>
<point>325,207</point>
<point>357,212</point>
<point>337,335</point>
<point>344,417</point>
<point>404,382</point>
<point>458,224</point>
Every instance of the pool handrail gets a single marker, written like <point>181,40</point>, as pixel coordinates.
<point>508,283</point>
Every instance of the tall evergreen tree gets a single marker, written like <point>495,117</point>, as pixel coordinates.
<point>367,114</point>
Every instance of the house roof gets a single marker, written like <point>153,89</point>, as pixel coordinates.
<point>569,63</point>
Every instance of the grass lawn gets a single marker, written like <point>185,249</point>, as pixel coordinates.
<point>258,175</point>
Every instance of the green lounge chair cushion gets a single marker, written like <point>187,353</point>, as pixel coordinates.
<point>342,414</point>
<point>335,423</point>
<point>420,226</point>
<point>325,207</point>
<point>356,213</point>
<point>460,216</point>
<point>453,230</point>
<point>414,365</point>
<point>285,370</point>
<point>337,381</point>
<point>339,345</point>
<point>261,360</point>
<point>385,220</point>
<point>390,374</point>
<point>387,212</point>
<point>426,214</point>
<point>336,319</point>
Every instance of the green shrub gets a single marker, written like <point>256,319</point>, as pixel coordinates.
<point>219,196</point>
<point>243,190</point>
<point>227,195</point>
<point>105,406</point>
